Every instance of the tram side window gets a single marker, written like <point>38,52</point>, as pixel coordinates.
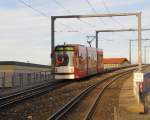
<point>77,59</point>
<point>82,59</point>
<point>90,60</point>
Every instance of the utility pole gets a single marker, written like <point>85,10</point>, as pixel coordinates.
<point>52,46</point>
<point>130,44</point>
<point>130,41</point>
<point>96,39</point>
<point>130,51</point>
<point>139,42</point>
<point>145,53</point>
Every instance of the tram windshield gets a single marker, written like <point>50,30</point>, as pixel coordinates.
<point>64,56</point>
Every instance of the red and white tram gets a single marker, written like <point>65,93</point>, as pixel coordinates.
<point>77,61</point>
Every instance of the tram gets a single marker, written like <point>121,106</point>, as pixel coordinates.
<point>74,61</point>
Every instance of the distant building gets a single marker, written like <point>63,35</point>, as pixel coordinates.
<point>14,73</point>
<point>115,62</point>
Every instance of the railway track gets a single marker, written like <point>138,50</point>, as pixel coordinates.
<point>19,96</point>
<point>69,107</point>
<point>89,115</point>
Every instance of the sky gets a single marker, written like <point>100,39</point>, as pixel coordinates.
<point>25,27</point>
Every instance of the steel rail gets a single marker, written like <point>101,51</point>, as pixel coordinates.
<point>93,107</point>
<point>71,103</point>
<point>8,96</point>
<point>23,95</point>
<point>62,111</point>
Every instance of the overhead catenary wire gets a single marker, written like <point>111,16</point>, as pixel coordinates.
<point>49,17</point>
<point>108,10</point>
<point>69,12</point>
<point>93,9</point>
<point>59,4</point>
<point>36,10</point>
<point>91,6</point>
<point>112,18</point>
<point>44,14</point>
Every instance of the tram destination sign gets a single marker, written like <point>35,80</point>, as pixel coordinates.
<point>64,49</point>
